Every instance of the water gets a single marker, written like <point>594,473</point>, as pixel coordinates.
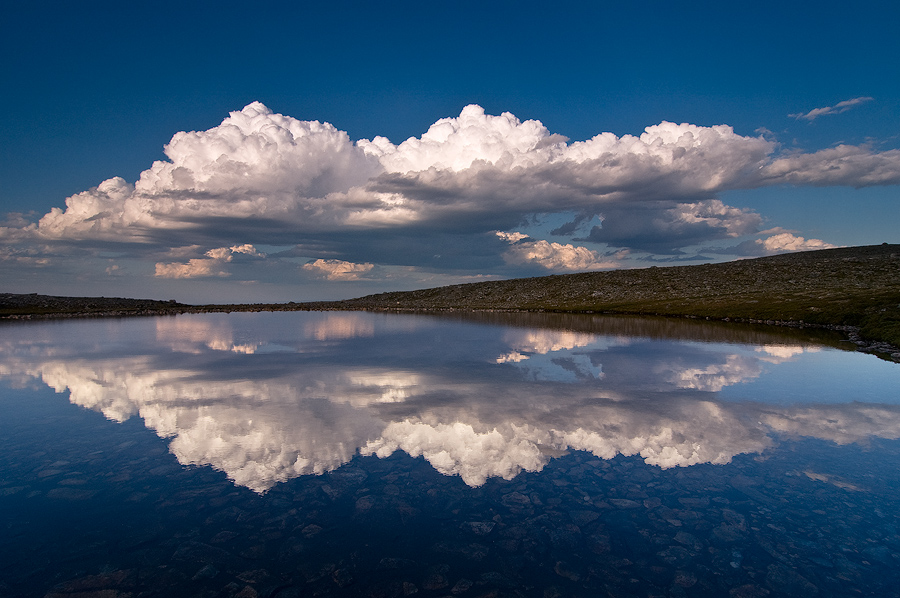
<point>356,454</point>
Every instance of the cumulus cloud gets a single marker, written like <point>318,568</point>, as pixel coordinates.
<point>552,256</point>
<point>265,178</point>
<point>789,242</point>
<point>836,109</point>
<point>211,265</point>
<point>714,377</point>
<point>660,227</point>
<point>850,165</point>
<point>195,268</point>
<point>781,242</point>
<point>336,269</point>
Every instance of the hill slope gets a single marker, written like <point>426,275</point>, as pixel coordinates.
<point>852,286</point>
<point>857,286</point>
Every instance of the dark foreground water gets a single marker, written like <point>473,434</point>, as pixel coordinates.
<point>354,454</point>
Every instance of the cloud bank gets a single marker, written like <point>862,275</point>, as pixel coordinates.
<point>434,202</point>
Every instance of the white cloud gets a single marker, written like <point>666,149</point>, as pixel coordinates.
<point>788,242</point>
<point>195,268</point>
<point>454,144</point>
<point>265,178</point>
<point>850,165</point>
<point>783,353</point>
<point>212,265</point>
<point>339,326</point>
<point>715,214</point>
<point>836,109</point>
<point>552,256</point>
<point>714,377</point>
<point>336,269</point>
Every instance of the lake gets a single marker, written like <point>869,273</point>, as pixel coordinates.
<point>358,454</point>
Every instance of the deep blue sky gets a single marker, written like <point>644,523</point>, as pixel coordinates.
<point>94,90</point>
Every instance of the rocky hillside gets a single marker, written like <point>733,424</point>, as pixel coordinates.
<point>853,286</point>
<point>30,305</point>
<point>856,286</point>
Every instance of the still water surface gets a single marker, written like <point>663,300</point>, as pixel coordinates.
<point>357,454</point>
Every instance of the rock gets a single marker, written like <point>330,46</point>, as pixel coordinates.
<point>515,499</point>
<point>624,503</point>
<point>734,518</point>
<point>223,536</point>
<point>435,581</point>
<point>391,563</point>
<point>685,579</point>
<point>582,517</point>
<point>881,554</point>
<point>497,580</point>
<point>564,569</point>
<point>75,494</point>
<point>342,577</point>
<point>364,503</point>
<point>207,572</point>
<point>204,553</point>
<point>314,572</point>
<point>108,585</point>
<point>689,540</point>
<point>748,591</point>
<point>461,586</point>
<point>726,534</point>
<point>566,537</point>
<point>675,555</point>
<point>247,592</point>
<point>256,576</point>
<point>784,580</point>
<point>470,551</point>
<point>479,528</point>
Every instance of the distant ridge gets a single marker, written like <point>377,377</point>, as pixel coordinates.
<point>850,286</point>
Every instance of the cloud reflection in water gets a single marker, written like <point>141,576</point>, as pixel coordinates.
<point>475,401</point>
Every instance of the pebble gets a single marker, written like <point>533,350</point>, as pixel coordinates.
<point>421,533</point>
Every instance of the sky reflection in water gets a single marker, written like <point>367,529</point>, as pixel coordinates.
<point>270,397</point>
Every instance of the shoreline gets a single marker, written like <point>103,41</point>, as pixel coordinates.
<point>853,290</point>
<point>874,346</point>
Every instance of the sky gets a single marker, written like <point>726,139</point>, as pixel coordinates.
<point>286,151</point>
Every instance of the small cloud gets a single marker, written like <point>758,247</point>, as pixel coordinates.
<point>836,109</point>
<point>781,241</point>
<point>787,242</point>
<point>247,249</point>
<point>336,269</point>
<point>195,268</point>
<point>211,265</point>
<point>552,256</point>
